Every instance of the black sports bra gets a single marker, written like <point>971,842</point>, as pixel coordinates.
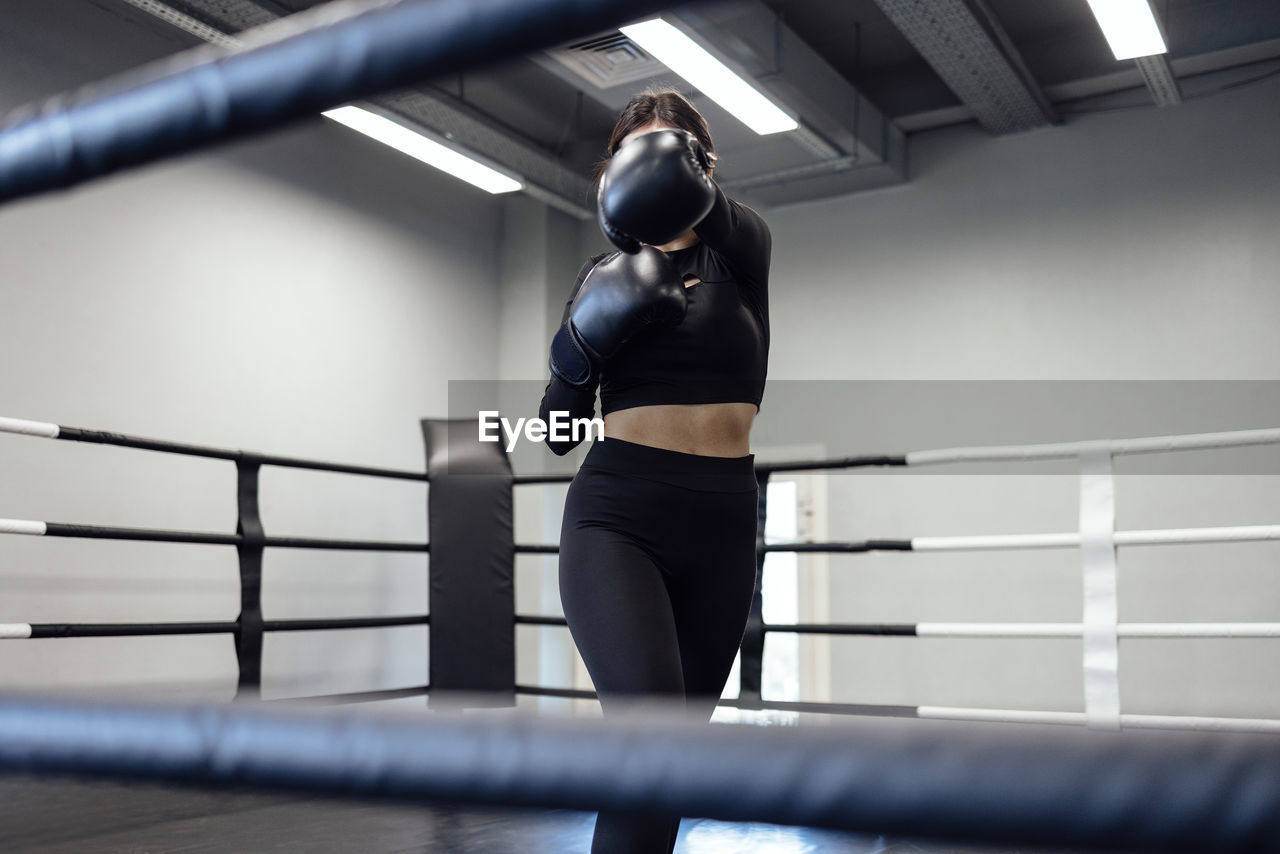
<point>719,353</point>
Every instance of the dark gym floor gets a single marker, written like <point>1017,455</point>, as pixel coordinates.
<point>54,816</point>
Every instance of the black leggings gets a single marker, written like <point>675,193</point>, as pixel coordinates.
<point>657,569</point>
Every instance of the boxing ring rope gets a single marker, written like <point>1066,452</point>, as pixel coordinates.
<point>11,631</point>
<point>151,535</point>
<point>286,70</point>
<point>46,430</point>
<point>1078,788</point>
<point>250,541</point>
<point>1100,630</point>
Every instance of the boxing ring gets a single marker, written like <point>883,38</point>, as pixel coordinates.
<point>976,778</point>
<point>835,777</point>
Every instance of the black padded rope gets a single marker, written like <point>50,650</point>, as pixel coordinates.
<point>877,461</point>
<point>343,545</point>
<point>99,532</point>
<point>800,629</point>
<point>121,630</point>
<point>537,549</point>
<point>568,693</point>
<point>522,480</point>
<point>856,547</point>
<point>287,70</point>
<point>523,620</point>
<point>873,710</point>
<point>346,623</point>
<point>102,437</point>
<point>762,547</point>
<point>352,697</point>
<point>126,630</point>
<point>1025,786</point>
<point>880,629</point>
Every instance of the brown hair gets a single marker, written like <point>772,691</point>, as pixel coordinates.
<point>663,105</point>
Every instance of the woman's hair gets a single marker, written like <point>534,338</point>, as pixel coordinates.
<point>663,105</point>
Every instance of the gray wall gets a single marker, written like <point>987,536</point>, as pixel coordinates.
<point>1134,245</point>
<point>308,294</point>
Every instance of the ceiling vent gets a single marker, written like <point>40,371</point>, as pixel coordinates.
<point>608,61</point>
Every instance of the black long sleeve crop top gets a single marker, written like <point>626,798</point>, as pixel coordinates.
<point>718,354</point>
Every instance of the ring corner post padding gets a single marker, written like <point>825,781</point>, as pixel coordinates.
<point>472,564</point>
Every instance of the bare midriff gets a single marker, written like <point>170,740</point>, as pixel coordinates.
<point>705,429</point>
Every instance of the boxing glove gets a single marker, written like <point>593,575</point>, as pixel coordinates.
<point>622,295</point>
<point>655,188</point>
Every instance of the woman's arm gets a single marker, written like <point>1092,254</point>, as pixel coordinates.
<point>740,236</point>
<point>559,396</point>
<point>738,233</point>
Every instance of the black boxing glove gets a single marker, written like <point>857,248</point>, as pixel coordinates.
<point>655,189</point>
<point>621,295</point>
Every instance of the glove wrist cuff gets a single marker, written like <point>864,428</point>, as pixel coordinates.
<point>570,361</point>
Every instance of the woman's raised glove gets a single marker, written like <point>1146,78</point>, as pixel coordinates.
<point>655,189</point>
<point>621,295</point>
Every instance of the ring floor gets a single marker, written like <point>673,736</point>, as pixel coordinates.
<point>62,816</point>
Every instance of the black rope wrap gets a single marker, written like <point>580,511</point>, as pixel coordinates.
<point>1139,791</point>
<point>103,437</point>
<point>99,532</point>
<point>289,69</point>
<point>120,630</point>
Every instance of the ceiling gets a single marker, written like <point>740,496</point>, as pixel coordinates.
<point>861,75</point>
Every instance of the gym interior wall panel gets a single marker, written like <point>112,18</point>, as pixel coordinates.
<point>308,293</point>
<point>1128,245</point>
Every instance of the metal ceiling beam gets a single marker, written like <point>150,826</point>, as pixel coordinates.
<point>1184,68</point>
<point>1159,78</point>
<point>857,146</point>
<point>844,143</point>
<point>545,178</point>
<point>968,48</point>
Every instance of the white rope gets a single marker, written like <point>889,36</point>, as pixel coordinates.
<point>1067,450</point>
<point>1076,630</point>
<point>1178,536</point>
<point>1078,718</point>
<point>14,631</point>
<point>1199,630</point>
<point>1200,723</point>
<point>22,526</point>
<point>953,713</point>
<point>29,428</point>
<point>1173,536</point>
<point>995,542</point>
<point>998,630</point>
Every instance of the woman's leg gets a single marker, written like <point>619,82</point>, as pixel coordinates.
<point>619,612</point>
<point>711,595</point>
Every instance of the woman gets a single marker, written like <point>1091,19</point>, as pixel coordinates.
<point>657,551</point>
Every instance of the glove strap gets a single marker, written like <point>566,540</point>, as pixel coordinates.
<point>570,361</point>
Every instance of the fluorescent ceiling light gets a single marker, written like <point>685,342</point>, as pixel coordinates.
<point>687,58</point>
<point>421,148</point>
<point>1130,27</point>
